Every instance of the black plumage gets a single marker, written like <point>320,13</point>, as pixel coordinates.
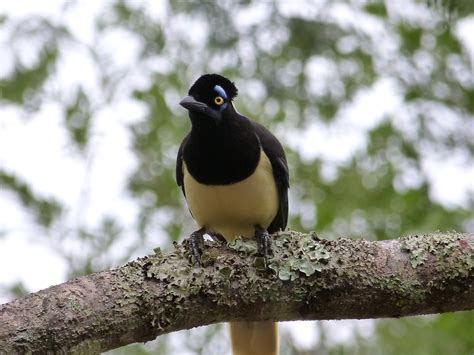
<point>225,151</point>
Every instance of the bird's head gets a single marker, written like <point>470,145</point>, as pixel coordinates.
<point>209,97</point>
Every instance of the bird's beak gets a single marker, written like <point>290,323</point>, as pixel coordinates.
<point>190,104</point>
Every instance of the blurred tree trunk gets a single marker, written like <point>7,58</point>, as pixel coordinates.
<point>307,278</point>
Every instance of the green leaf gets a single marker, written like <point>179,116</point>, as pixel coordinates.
<point>411,37</point>
<point>376,8</point>
<point>25,82</point>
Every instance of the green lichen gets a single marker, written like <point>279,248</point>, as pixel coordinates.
<point>298,255</point>
<point>245,246</point>
<point>295,255</point>
<point>420,247</point>
<point>260,263</point>
<point>226,272</point>
<point>468,260</point>
<point>218,279</point>
<point>451,258</point>
<point>181,277</point>
<point>444,249</point>
<point>238,275</point>
<point>410,290</point>
<point>417,250</point>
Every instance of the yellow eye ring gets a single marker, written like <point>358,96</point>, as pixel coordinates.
<point>218,100</point>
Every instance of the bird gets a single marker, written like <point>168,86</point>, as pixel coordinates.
<point>234,176</point>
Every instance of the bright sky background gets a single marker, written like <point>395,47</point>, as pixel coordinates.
<point>36,149</point>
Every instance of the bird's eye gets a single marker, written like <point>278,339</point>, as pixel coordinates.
<point>218,100</point>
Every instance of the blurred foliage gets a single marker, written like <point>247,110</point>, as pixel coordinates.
<point>296,67</point>
<point>78,115</point>
<point>44,210</point>
<point>453,8</point>
<point>449,334</point>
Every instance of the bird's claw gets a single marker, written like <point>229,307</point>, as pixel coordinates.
<point>218,238</point>
<point>196,243</point>
<point>264,243</point>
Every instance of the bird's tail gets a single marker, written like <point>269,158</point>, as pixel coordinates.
<point>254,338</point>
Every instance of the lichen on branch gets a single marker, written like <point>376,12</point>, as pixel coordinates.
<point>307,278</point>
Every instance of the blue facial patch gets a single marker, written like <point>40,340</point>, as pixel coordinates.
<point>220,91</point>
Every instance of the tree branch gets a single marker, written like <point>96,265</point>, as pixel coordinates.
<point>308,278</point>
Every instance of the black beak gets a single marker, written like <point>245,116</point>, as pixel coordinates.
<point>190,104</point>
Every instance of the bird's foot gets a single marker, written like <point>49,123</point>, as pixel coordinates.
<point>196,244</point>
<point>218,238</point>
<point>264,243</point>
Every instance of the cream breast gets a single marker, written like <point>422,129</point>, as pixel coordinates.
<point>234,209</point>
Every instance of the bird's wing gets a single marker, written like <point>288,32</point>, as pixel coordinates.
<point>274,151</point>
<point>179,165</point>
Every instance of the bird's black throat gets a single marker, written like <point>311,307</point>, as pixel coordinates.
<point>221,153</point>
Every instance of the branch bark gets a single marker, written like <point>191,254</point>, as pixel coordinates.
<point>307,278</point>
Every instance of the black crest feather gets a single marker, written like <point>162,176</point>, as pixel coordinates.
<point>207,82</point>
